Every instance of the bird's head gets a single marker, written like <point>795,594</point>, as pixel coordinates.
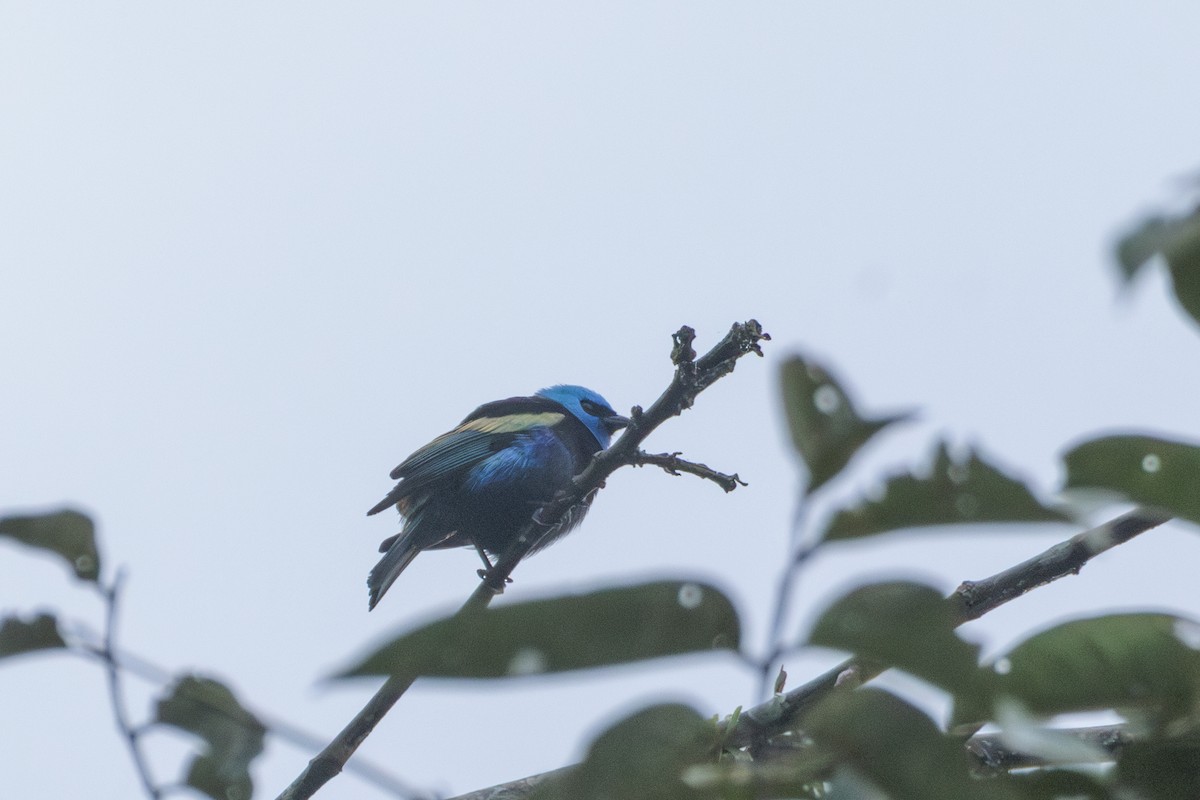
<point>589,408</point>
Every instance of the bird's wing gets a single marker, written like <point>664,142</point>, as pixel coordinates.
<point>490,428</point>
<point>459,449</point>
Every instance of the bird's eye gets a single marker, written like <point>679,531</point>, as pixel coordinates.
<point>595,409</point>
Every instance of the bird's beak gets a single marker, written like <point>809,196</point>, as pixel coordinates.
<point>615,423</point>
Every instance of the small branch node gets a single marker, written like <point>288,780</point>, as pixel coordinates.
<point>682,352</point>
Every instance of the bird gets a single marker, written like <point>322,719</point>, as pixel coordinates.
<point>480,483</point>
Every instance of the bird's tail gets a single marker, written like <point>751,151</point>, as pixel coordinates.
<point>399,555</point>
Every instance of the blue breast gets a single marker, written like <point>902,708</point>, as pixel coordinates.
<point>499,494</point>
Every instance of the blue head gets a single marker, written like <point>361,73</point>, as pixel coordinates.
<point>589,408</point>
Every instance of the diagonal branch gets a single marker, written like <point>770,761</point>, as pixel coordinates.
<point>973,598</point>
<point>691,377</point>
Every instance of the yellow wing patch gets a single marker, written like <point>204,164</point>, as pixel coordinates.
<point>512,423</point>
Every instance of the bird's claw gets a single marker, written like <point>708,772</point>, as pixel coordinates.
<point>485,575</point>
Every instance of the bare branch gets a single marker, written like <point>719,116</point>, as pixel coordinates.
<point>1066,558</point>
<point>674,465</point>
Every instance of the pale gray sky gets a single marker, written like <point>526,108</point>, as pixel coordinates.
<point>252,256</point>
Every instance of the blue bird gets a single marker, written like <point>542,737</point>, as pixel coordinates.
<point>479,484</point>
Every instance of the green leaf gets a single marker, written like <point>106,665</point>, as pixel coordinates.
<point>20,636</point>
<point>209,775</point>
<point>67,533</point>
<point>601,628</point>
<point>1161,770</point>
<point>1143,663</point>
<point>954,492</point>
<point>1054,784</point>
<point>1183,257</point>
<point>894,746</point>
<point>1147,240</point>
<point>233,736</point>
<point>1145,469</point>
<point>642,757</point>
<point>1177,239</point>
<point>905,625</point>
<point>826,429</point>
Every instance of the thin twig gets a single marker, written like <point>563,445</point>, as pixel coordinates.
<point>691,377</point>
<point>129,733</point>
<point>784,591</point>
<point>674,465</point>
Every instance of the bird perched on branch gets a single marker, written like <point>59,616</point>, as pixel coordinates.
<point>481,483</point>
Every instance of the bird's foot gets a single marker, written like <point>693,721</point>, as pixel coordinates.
<point>485,574</point>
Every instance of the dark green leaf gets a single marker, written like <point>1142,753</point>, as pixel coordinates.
<point>210,775</point>
<point>1161,770</point>
<point>826,429</point>
<point>1183,257</point>
<point>955,492</point>
<point>905,625</point>
<point>234,737</point>
<point>846,784</point>
<point>67,533</point>
<point>1128,662</point>
<point>1057,784</point>
<point>610,626</point>
<point>1147,240</point>
<point>642,757</point>
<point>1177,239</point>
<point>20,636</point>
<point>1145,469</point>
<point>894,746</point>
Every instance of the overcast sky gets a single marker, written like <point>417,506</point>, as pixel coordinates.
<point>251,256</point>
